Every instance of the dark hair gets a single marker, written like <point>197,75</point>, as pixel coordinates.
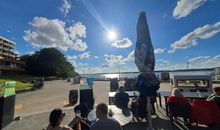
<point>103,108</point>
<point>54,117</point>
<point>216,89</point>
<point>121,89</point>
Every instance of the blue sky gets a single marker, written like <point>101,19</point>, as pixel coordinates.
<point>181,31</point>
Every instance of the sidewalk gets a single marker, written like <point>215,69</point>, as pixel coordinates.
<point>38,121</point>
<point>41,120</point>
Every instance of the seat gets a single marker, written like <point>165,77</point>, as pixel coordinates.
<point>114,84</point>
<point>217,101</point>
<point>179,107</point>
<point>86,96</point>
<point>139,108</point>
<point>205,112</point>
<point>129,84</point>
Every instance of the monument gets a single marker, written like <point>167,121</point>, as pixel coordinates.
<point>147,82</point>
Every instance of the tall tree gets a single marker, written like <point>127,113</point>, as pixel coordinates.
<point>48,62</point>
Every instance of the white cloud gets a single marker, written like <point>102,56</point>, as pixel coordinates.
<point>96,57</point>
<point>53,33</point>
<point>162,61</point>
<point>191,38</point>
<point>30,53</point>
<point>165,15</point>
<point>177,67</point>
<point>78,30</point>
<point>105,66</point>
<point>199,59</point>
<point>85,55</point>
<point>205,61</point>
<point>115,60</point>
<point>131,55</point>
<point>66,6</point>
<point>123,43</point>
<point>162,64</point>
<point>159,50</point>
<point>73,62</point>
<point>79,45</point>
<point>90,70</point>
<point>83,64</point>
<point>185,7</point>
<point>73,57</point>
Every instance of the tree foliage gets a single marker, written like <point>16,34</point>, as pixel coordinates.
<point>48,62</point>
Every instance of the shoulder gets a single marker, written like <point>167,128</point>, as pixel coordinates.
<point>113,121</point>
<point>49,127</point>
<point>181,100</point>
<point>65,127</point>
<point>215,98</point>
<point>95,125</point>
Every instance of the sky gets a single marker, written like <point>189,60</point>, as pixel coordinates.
<point>99,36</point>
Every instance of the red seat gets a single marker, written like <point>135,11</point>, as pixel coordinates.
<point>178,107</point>
<point>180,100</point>
<point>205,112</point>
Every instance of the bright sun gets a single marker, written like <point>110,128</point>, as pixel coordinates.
<point>111,35</point>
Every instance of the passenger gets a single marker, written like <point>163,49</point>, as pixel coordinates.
<point>180,98</point>
<point>121,98</point>
<point>196,85</point>
<point>179,105</point>
<point>103,122</point>
<point>215,95</point>
<point>56,119</point>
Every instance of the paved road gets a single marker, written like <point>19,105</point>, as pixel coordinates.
<point>54,94</point>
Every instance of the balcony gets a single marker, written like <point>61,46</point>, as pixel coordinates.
<point>5,54</point>
<point>8,45</point>
<point>6,49</point>
<point>11,68</point>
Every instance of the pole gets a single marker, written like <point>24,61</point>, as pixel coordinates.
<point>119,76</point>
<point>187,64</point>
<point>150,125</point>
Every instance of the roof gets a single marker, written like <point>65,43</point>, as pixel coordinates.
<point>190,75</point>
<point>7,40</point>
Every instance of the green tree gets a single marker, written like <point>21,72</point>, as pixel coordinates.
<point>48,62</point>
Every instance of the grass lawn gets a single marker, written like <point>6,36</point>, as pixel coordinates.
<point>22,81</point>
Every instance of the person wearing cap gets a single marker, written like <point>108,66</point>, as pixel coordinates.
<point>56,119</point>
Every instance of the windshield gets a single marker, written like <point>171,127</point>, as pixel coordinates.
<point>193,83</point>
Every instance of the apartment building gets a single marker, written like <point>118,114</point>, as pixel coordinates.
<point>9,60</point>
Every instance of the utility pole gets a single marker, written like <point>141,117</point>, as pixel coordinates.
<point>187,64</point>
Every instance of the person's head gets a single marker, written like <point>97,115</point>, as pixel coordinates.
<point>101,111</point>
<point>121,89</point>
<point>217,91</point>
<point>56,117</point>
<point>177,93</point>
<point>195,84</point>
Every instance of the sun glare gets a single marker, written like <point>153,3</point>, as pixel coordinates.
<point>112,35</point>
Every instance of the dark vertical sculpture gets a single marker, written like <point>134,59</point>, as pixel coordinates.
<point>147,82</point>
<point>144,51</point>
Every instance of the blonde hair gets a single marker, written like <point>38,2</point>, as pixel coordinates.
<point>177,93</point>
